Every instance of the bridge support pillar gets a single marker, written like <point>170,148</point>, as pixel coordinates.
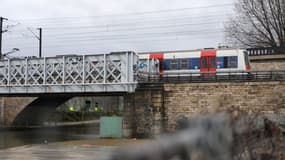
<point>144,113</point>
<point>129,119</point>
<point>1,112</point>
<point>10,107</point>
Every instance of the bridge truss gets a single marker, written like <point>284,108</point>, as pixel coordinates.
<point>114,72</point>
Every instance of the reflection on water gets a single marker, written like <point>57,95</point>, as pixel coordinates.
<point>19,137</point>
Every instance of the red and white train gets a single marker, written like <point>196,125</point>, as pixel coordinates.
<point>196,61</point>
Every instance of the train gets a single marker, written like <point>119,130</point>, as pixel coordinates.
<point>209,60</point>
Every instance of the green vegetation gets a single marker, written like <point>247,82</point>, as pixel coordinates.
<point>74,113</point>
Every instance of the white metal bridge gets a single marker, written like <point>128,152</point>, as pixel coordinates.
<point>114,72</point>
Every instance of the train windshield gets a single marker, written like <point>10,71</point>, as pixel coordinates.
<point>246,58</point>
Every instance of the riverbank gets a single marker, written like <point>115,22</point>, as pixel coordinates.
<point>55,125</point>
<point>96,149</point>
<point>104,142</point>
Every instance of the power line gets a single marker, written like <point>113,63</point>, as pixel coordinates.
<point>132,38</point>
<point>137,13</point>
<point>137,19</point>
<point>113,36</point>
<point>156,26</point>
<point>113,31</point>
<point>129,41</point>
<point>132,23</point>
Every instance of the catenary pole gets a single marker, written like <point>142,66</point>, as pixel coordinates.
<point>1,32</point>
<point>40,42</point>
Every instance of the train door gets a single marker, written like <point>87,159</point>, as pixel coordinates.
<point>208,62</point>
<point>160,57</point>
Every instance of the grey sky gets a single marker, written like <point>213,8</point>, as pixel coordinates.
<point>96,26</point>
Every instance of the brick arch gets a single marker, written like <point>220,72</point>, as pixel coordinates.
<point>38,110</point>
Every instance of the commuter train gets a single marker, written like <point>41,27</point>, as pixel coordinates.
<point>196,61</point>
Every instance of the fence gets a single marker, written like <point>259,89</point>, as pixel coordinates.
<point>265,51</point>
<point>233,76</point>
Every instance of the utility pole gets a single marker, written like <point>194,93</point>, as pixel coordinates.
<point>38,37</point>
<point>40,43</point>
<point>1,32</point>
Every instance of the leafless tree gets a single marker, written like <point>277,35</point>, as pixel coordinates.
<point>258,23</point>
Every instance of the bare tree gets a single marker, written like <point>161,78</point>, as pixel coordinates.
<point>258,23</point>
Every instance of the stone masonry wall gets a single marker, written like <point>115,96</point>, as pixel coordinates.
<point>268,62</point>
<point>13,106</point>
<point>142,116</point>
<point>269,65</point>
<point>188,100</point>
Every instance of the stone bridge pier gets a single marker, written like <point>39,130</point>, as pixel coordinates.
<point>22,111</point>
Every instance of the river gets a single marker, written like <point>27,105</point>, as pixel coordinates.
<point>13,137</point>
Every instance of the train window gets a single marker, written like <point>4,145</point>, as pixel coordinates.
<point>166,65</point>
<point>173,64</point>
<point>195,63</point>
<point>227,62</point>
<point>220,62</point>
<point>183,63</point>
<point>232,62</point>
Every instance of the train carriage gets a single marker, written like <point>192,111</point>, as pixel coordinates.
<point>207,62</point>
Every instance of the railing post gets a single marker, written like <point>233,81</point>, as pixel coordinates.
<point>9,70</point>
<point>132,68</point>
<point>63,70</point>
<point>104,69</point>
<point>26,71</point>
<point>45,72</point>
<point>83,69</point>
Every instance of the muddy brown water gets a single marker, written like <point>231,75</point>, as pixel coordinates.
<point>15,137</point>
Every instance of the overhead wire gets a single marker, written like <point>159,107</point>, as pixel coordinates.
<point>128,40</point>
<point>83,33</point>
<point>138,13</point>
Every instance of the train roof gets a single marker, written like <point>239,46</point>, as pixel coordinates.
<point>140,53</point>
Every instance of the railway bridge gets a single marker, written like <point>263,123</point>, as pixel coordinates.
<point>45,83</point>
<point>34,87</point>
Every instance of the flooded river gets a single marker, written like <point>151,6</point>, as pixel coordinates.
<point>19,137</point>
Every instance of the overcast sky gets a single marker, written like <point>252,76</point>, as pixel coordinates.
<point>102,26</point>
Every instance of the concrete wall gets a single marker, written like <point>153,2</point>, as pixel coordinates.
<point>268,62</point>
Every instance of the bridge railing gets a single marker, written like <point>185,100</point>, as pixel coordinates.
<point>197,77</point>
<point>76,70</point>
<point>265,51</point>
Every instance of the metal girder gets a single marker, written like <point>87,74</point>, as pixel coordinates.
<point>114,72</point>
